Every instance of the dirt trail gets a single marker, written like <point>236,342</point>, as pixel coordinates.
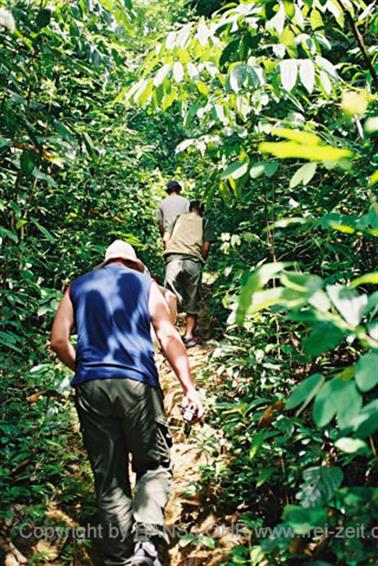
<point>185,513</point>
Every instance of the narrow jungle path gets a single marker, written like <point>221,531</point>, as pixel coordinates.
<point>185,514</point>
<point>200,534</point>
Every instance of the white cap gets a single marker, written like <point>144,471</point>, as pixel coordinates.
<point>122,250</point>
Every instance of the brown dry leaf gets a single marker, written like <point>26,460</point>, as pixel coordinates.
<point>13,555</point>
<point>10,560</point>
<point>58,515</point>
<point>296,546</point>
<point>49,551</point>
<point>268,414</point>
<point>209,524</point>
<point>34,397</point>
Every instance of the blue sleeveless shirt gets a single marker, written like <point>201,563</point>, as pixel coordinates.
<point>112,322</point>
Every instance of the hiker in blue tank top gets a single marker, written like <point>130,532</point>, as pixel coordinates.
<point>118,397</point>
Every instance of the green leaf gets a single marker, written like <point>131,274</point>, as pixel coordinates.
<point>340,222</point>
<point>162,74</point>
<point>367,371</point>
<point>264,475</point>
<point>326,401</point>
<point>235,170</point>
<point>351,445</point>
<point>325,82</point>
<point>371,127</point>
<point>372,328</point>
<point>297,136</point>
<point>43,177</point>
<point>7,19</point>
<point>316,20</point>
<point>43,18</point>
<point>305,391</point>
<point>348,302</point>
<point>186,540</point>
<point>302,281</point>
<point>45,232</point>
<point>9,340</point>
<point>229,53</point>
<point>324,337</point>
<point>256,281</point>
<point>307,74</point>
<point>278,21</point>
<point>3,142</point>
<point>5,233</point>
<point>264,299</point>
<point>178,72</point>
<point>366,423</point>
<point>169,99</point>
<point>258,440</point>
<point>288,73</point>
<point>238,77</point>
<point>354,103</point>
<point>203,32</point>
<point>372,305</point>
<point>349,403</point>
<point>202,88</point>
<point>285,222</point>
<point>367,278</point>
<point>340,398</point>
<point>287,150</point>
<point>303,519</point>
<point>27,162</point>
<point>89,144</point>
<point>270,167</point>
<point>372,216</point>
<point>144,96</point>
<point>320,484</point>
<point>303,175</point>
<point>267,168</point>
<point>207,541</point>
<point>257,170</point>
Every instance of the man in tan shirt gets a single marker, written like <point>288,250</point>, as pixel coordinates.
<point>187,245</point>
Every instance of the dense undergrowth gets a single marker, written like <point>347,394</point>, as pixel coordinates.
<point>101,104</point>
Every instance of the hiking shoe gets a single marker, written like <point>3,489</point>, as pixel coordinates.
<point>145,554</point>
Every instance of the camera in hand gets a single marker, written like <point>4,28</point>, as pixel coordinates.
<point>189,413</point>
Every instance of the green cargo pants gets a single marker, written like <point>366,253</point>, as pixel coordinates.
<point>183,276</point>
<point>118,418</point>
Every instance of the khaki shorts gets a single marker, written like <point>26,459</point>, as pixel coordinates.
<point>183,277</point>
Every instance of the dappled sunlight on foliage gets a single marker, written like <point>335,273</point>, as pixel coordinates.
<point>266,111</point>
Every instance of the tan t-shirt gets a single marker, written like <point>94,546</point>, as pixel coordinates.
<point>187,236</point>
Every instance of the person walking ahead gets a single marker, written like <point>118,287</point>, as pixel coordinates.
<point>171,207</point>
<point>187,246</point>
<point>118,396</point>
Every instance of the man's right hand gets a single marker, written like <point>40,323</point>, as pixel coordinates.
<point>193,398</point>
<point>173,348</point>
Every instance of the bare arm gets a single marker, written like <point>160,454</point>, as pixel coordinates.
<point>166,238</point>
<point>61,330</point>
<point>172,346</point>
<point>205,249</point>
<point>161,227</point>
